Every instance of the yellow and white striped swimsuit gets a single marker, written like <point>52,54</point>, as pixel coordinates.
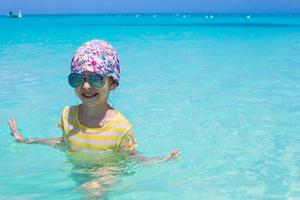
<point>115,135</point>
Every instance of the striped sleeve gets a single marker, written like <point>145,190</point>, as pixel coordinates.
<point>60,122</point>
<point>128,141</point>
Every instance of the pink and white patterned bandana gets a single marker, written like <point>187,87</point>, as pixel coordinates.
<point>97,56</point>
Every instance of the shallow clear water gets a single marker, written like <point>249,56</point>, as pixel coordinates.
<point>225,90</point>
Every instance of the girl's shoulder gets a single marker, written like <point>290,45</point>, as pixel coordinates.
<point>70,109</point>
<point>121,119</point>
<point>120,123</point>
<point>117,114</point>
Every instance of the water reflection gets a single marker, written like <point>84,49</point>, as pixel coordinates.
<point>95,172</point>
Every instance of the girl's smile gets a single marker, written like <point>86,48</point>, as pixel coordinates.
<point>89,95</point>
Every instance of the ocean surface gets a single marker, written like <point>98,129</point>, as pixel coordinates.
<point>224,89</point>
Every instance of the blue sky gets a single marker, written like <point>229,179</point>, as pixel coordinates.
<point>152,6</point>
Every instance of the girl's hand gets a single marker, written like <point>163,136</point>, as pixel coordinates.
<point>14,130</point>
<point>172,155</point>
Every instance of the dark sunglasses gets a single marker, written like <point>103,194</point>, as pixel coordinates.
<point>95,80</point>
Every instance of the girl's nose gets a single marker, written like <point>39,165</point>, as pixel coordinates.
<point>86,85</point>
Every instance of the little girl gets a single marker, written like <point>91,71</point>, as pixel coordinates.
<point>94,126</point>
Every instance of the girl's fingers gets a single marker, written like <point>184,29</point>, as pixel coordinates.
<point>14,131</point>
<point>174,154</point>
<point>10,124</point>
<point>14,123</point>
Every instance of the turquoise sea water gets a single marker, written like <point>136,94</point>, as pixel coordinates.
<point>224,89</point>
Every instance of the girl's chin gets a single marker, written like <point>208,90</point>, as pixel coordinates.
<point>89,102</point>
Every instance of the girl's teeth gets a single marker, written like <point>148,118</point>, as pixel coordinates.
<point>88,95</point>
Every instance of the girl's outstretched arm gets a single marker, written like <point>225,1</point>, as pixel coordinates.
<point>153,160</point>
<point>54,142</point>
<point>128,145</point>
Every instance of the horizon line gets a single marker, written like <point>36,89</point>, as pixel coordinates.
<point>160,13</point>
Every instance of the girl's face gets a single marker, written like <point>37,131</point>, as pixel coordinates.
<point>92,96</point>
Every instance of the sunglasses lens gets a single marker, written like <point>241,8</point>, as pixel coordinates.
<point>75,80</point>
<point>97,80</point>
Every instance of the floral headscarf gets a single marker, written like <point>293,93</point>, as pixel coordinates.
<point>97,56</point>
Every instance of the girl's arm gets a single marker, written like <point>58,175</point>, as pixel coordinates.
<point>128,147</point>
<point>54,142</point>
<point>153,160</point>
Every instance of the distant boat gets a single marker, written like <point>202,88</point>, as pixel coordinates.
<point>15,15</point>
